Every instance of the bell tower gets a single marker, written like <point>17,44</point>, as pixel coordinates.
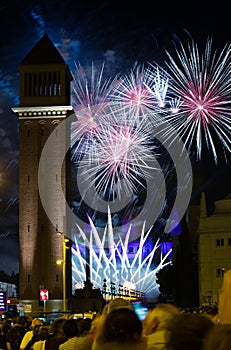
<point>44,103</point>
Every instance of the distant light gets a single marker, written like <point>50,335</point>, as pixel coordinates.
<point>79,285</point>
<point>129,285</point>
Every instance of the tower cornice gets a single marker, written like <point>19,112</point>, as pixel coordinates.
<point>42,111</point>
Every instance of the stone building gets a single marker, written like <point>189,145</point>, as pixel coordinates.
<point>44,104</point>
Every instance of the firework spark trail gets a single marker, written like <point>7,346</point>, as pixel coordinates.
<point>5,235</point>
<point>202,85</point>
<point>115,264</point>
<point>90,89</point>
<point>90,94</point>
<point>10,203</point>
<point>157,84</point>
<point>175,105</point>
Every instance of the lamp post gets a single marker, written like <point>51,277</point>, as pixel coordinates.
<point>63,263</point>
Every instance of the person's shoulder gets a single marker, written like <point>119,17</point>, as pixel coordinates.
<point>28,334</point>
<point>62,346</point>
<point>37,345</point>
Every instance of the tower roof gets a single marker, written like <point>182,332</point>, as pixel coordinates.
<point>44,52</point>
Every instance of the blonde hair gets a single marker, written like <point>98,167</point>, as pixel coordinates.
<point>161,315</point>
<point>36,322</point>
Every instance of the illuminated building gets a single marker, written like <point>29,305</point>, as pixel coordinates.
<point>44,104</point>
<point>214,249</point>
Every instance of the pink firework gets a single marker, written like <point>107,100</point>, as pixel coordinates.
<point>132,90</point>
<point>123,151</point>
<point>201,86</point>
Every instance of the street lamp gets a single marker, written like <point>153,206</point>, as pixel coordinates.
<point>63,263</point>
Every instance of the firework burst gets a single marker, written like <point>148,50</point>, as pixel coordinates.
<point>201,85</point>
<point>131,91</point>
<point>123,151</point>
<point>142,89</point>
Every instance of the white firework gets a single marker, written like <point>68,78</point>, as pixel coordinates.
<point>201,86</point>
<point>157,84</point>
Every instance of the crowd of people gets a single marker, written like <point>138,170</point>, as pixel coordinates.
<point>118,327</point>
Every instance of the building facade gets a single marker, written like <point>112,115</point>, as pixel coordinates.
<point>214,252</point>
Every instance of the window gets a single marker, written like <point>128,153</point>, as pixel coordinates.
<point>220,273</point>
<point>229,241</point>
<point>28,278</point>
<point>28,228</point>
<point>220,242</point>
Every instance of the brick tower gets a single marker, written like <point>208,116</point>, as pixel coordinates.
<point>44,103</point>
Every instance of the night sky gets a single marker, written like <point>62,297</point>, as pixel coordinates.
<point>87,31</point>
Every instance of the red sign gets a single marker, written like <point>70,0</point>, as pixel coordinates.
<point>44,294</point>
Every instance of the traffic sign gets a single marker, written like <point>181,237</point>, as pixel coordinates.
<point>43,294</point>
